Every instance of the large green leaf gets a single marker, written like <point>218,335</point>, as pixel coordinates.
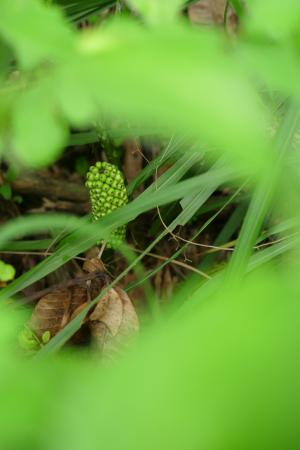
<point>275,18</point>
<point>37,32</point>
<point>40,147</point>
<point>157,12</point>
<point>214,101</point>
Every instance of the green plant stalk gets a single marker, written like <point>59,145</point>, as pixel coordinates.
<point>263,197</point>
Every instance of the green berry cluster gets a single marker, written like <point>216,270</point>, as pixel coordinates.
<point>107,192</point>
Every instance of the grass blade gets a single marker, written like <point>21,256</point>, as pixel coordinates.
<point>262,198</point>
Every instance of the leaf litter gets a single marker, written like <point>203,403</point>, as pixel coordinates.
<point>109,327</point>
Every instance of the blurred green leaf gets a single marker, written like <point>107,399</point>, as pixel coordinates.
<point>238,6</point>
<point>6,58</point>
<point>263,197</point>
<point>275,65</point>
<point>213,100</point>
<point>23,245</point>
<point>5,191</point>
<point>37,32</point>
<point>38,135</point>
<point>156,12</point>
<point>278,19</point>
<point>7,272</point>
<point>222,380</point>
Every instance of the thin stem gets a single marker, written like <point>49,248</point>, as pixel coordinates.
<point>225,14</point>
<point>177,263</point>
<point>101,250</point>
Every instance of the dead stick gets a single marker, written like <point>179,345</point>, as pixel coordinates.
<point>70,283</point>
<point>47,186</point>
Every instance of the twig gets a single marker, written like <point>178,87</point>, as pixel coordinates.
<point>44,185</point>
<point>70,283</point>
<point>177,263</point>
<point>8,252</point>
<point>101,250</point>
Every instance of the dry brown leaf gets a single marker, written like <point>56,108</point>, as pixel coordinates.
<point>201,13</point>
<point>78,296</point>
<point>211,12</point>
<point>93,264</point>
<point>130,322</point>
<point>54,310</point>
<point>51,313</point>
<point>113,322</point>
<point>78,311</point>
<point>82,336</point>
<point>137,294</point>
<point>109,311</point>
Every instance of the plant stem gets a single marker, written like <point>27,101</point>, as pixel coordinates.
<point>101,250</point>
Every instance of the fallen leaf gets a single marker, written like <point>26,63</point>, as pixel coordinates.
<point>130,322</point>
<point>54,310</point>
<point>82,336</point>
<point>51,313</point>
<point>212,12</point>
<point>200,13</point>
<point>109,311</point>
<point>113,322</point>
<point>93,264</point>
<point>78,296</point>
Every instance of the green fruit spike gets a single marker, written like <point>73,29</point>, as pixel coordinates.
<point>107,191</point>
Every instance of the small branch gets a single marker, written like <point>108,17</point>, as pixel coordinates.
<point>70,283</point>
<point>177,263</point>
<point>50,187</point>
<point>99,256</point>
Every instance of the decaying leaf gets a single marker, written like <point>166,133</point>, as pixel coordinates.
<point>78,297</point>
<point>82,336</point>
<point>54,310</point>
<point>113,322</point>
<point>92,265</point>
<point>96,285</point>
<point>51,313</point>
<point>109,311</point>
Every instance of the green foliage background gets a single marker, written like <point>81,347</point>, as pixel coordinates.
<point>220,371</point>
